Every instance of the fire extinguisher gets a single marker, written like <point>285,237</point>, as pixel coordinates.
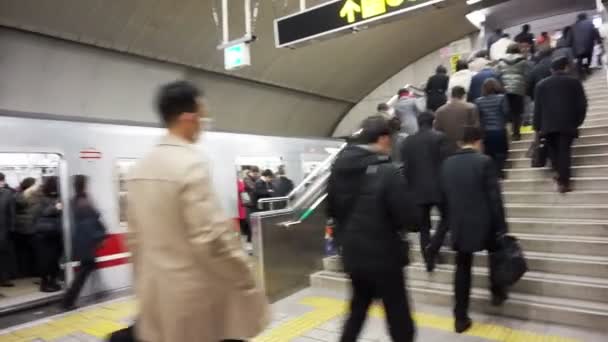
<point>330,245</point>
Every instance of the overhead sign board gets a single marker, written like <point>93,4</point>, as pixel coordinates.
<point>237,56</point>
<point>340,16</point>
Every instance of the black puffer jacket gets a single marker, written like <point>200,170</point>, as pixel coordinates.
<point>369,201</point>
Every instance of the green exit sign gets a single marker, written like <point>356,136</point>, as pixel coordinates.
<point>237,56</point>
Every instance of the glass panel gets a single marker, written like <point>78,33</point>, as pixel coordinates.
<point>122,170</point>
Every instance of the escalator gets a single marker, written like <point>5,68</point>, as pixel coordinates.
<point>288,243</point>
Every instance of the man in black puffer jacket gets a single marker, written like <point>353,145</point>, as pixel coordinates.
<point>368,199</point>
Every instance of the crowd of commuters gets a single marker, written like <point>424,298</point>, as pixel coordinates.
<point>254,186</point>
<point>451,159</point>
<point>31,232</point>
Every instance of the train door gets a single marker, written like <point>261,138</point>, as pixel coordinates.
<point>34,229</point>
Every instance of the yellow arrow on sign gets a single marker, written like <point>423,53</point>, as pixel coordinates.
<point>349,10</point>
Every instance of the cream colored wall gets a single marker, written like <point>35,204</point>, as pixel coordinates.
<point>415,74</point>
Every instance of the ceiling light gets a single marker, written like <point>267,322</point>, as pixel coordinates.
<point>473,2</point>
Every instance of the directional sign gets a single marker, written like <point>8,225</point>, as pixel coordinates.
<point>339,16</point>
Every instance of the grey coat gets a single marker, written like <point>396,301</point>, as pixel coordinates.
<point>513,71</point>
<point>406,109</point>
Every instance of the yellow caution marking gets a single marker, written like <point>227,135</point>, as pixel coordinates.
<point>102,320</point>
<point>97,321</point>
<point>326,309</point>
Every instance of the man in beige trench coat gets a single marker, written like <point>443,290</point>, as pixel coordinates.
<point>191,275</point>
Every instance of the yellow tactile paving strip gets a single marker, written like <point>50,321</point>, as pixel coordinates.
<point>325,309</point>
<point>99,321</point>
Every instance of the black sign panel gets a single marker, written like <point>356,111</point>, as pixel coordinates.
<point>339,15</point>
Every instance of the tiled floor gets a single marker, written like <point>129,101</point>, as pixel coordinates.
<point>308,316</point>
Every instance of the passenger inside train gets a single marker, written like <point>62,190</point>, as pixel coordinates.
<point>448,185</point>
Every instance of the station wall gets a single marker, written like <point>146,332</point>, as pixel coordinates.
<point>43,75</point>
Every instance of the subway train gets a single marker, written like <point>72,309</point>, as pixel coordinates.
<point>38,147</point>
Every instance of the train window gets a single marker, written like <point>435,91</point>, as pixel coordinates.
<point>122,170</point>
<point>31,227</point>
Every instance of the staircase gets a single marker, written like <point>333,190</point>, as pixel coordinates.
<point>565,237</point>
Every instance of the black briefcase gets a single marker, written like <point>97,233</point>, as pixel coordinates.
<point>508,261</point>
<point>123,335</point>
<point>539,152</point>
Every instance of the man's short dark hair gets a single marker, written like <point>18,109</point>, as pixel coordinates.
<point>491,86</point>
<point>526,28</point>
<point>560,63</point>
<point>582,16</point>
<point>2,177</point>
<point>268,173</point>
<point>498,31</point>
<point>472,134</point>
<point>177,98</point>
<point>514,48</point>
<point>458,92</point>
<point>426,119</point>
<point>373,128</point>
<point>383,107</point>
<point>441,70</point>
<point>461,65</point>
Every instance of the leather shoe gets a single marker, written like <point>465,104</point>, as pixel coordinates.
<point>461,326</point>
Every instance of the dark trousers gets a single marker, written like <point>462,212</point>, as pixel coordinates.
<point>390,288</point>
<point>584,63</point>
<point>86,268</point>
<point>49,249</point>
<point>516,110</point>
<point>245,228</point>
<point>497,147</point>
<point>425,228</point>
<point>560,153</point>
<point>462,284</point>
<point>25,254</point>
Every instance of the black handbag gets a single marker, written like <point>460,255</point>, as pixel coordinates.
<point>539,152</point>
<point>508,261</point>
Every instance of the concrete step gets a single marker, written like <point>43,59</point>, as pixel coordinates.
<point>586,140</point>
<point>553,211</point>
<point>567,264</point>
<point>547,184</point>
<point>570,227</point>
<point>589,314</point>
<point>584,131</point>
<point>600,119</point>
<point>576,150</point>
<point>538,283</point>
<point>577,171</point>
<point>534,283</point>
<point>582,160</point>
<point>555,244</point>
<point>552,198</point>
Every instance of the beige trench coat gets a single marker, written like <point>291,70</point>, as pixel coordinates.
<point>192,280</point>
